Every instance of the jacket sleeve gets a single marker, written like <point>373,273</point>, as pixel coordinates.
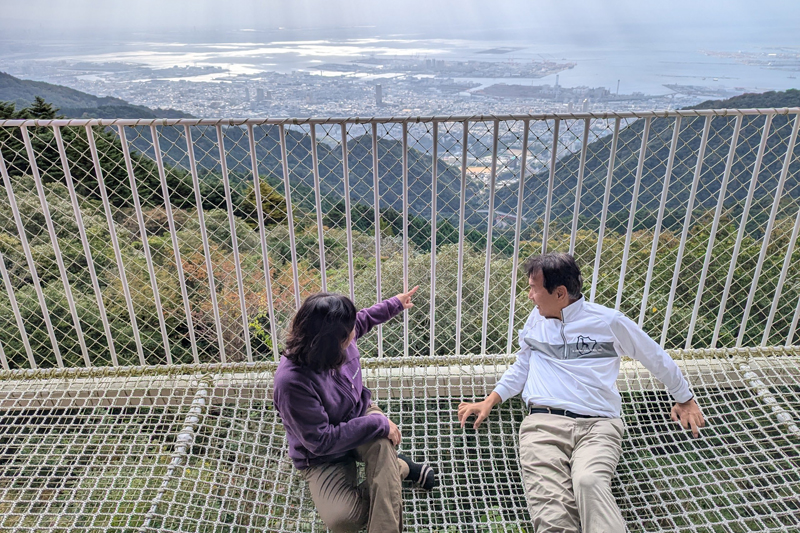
<point>304,416</point>
<point>514,379</point>
<point>379,313</point>
<point>637,344</point>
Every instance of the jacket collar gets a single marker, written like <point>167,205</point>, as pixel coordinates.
<point>573,310</point>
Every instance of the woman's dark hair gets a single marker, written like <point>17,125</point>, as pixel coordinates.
<point>557,269</point>
<point>319,328</point>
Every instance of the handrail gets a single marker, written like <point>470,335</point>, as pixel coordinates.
<point>394,119</point>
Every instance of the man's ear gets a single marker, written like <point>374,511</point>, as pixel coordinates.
<point>562,292</point>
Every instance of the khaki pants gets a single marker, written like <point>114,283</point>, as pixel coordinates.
<point>347,506</point>
<point>567,465</point>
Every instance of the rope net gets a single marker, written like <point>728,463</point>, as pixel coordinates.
<point>200,448</point>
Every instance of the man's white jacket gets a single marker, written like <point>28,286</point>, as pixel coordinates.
<point>573,363</point>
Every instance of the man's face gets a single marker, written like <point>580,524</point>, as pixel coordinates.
<point>550,305</point>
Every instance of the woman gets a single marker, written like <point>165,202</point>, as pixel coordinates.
<point>331,421</point>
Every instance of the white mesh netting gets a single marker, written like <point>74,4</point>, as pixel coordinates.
<point>202,449</point>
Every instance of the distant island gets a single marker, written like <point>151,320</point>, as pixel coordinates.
<point>450,69</point>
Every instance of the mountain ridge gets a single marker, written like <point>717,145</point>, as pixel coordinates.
<point>73,103</point>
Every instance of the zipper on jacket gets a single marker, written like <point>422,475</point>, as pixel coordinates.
<point>563,337</point>
<point>343,387</point>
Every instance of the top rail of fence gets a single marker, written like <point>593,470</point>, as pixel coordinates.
<point>395,119</point>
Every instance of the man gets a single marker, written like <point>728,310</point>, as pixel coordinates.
<point>566,370</point>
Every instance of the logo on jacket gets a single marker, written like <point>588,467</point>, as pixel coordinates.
<point>585,345</point>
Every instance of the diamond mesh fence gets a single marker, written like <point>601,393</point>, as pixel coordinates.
<point>676,223</point>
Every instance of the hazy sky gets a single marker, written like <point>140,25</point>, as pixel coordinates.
<point>582,22</point>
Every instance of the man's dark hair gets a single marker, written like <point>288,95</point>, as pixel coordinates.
<point>557,269</point>
<point>319,328</point>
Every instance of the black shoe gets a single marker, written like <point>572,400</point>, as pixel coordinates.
<point>420,475</point>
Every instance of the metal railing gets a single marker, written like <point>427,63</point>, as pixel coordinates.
<point>686,221</point>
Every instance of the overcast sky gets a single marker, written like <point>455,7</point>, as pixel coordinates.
<point>617,22</point>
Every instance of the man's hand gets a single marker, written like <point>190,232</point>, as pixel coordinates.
<point>405,298</point>
<point>480,409</point>
<point>689,415</point>
<point>394,433</point>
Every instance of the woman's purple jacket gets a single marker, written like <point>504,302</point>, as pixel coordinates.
<point>323,412</point>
